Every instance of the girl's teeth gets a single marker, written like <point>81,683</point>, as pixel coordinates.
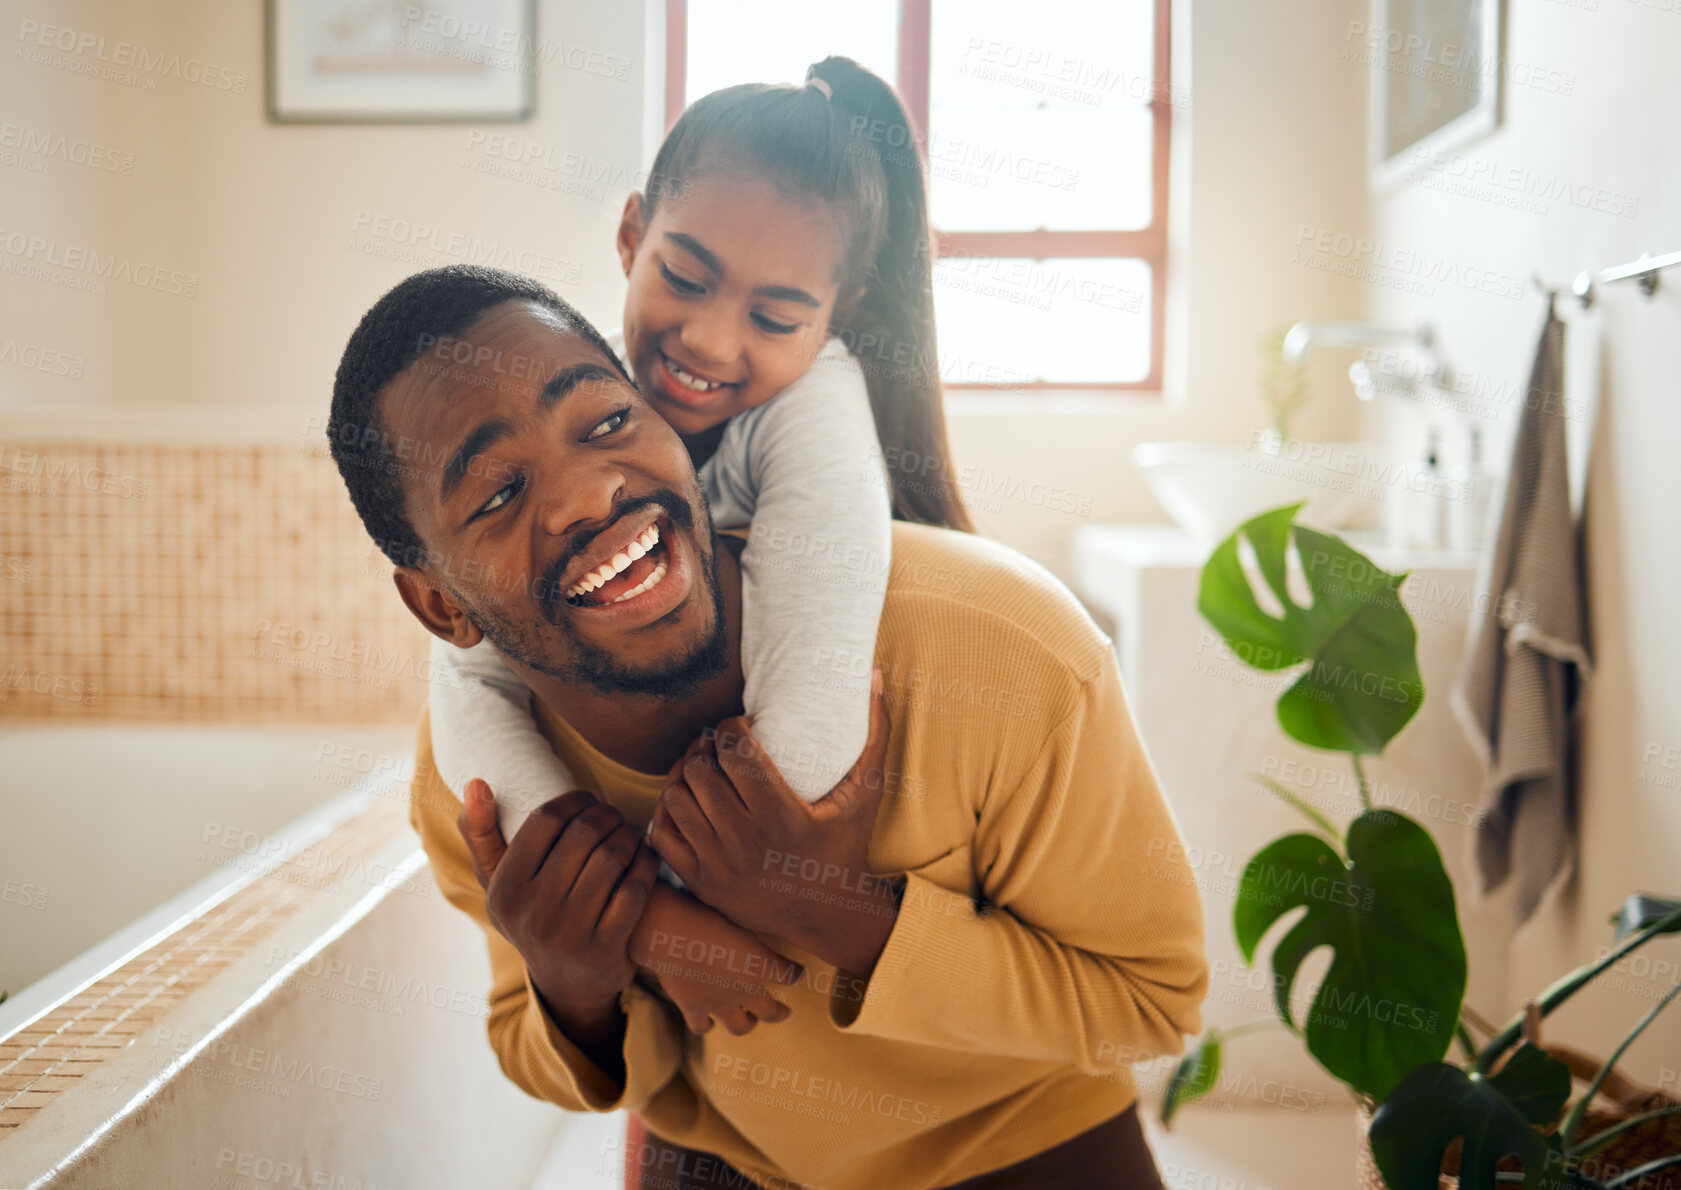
<point>691,381</point>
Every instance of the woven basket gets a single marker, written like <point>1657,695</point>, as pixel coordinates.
<point>1618,1100</point>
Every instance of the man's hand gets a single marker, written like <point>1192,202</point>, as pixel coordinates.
<point>747,844</point>
<point>567,892</point>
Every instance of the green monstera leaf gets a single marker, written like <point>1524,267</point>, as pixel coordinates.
<point>1391,997</point>
<point>1362,684</point>
<point>1535,1083</point>
<point>1193,1077</point>
<point>1496,1117</point>
<point>1642,911</point>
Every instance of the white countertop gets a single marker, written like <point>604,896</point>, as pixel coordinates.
<point>1169,545</point>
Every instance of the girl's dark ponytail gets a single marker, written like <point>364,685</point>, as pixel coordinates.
<point>891,329</point>
<point>849,144</point>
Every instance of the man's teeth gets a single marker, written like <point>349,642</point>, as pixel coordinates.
<point>646,584</point>
<point>617,563</point>
<point>689,380</point>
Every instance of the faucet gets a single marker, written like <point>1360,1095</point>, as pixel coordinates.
<point>1305,336</point>
<point>1417,341</point>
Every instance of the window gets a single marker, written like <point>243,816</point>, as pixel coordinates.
<point>1045,131</point>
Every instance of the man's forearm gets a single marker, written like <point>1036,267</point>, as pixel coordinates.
<point>852,935</point>
<point>597,1030</point>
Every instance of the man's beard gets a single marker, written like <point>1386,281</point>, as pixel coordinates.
<point>591,665</point>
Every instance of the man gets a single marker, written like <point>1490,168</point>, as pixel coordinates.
<point>988,933</point>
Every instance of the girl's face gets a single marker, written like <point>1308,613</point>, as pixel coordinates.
<point>732,287</point>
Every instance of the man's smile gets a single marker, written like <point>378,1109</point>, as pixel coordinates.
<point>634,535</point>
<point>631,574</point>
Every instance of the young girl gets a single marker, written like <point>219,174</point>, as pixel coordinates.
<point>779,227</point>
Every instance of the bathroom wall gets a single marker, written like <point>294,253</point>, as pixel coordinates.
<point>1582,173</point>
<point>283,234</point>
<point>269,240</point>
<point>173,571</point>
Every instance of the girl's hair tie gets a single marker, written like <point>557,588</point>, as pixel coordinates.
<point>828,92</point>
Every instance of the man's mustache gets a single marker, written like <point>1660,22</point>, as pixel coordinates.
<point>677,510</point>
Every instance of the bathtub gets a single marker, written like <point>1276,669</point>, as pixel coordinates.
<point>113,832</point>
<point>347,1046</point>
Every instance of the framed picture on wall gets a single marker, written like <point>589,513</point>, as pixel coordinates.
<point>405,61</point>
<point>1435,70</point>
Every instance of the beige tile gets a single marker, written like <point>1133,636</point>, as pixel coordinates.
<point>231,548</point>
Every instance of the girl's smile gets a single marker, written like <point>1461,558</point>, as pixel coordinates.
<point>688,386</point>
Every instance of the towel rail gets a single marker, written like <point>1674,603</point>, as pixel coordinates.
<point>1645,270</point>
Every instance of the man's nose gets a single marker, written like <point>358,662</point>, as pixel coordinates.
<point>710,335</point>
<point>582,499</point>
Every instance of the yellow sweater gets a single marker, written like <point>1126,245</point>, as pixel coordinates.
<point>1047,937</point>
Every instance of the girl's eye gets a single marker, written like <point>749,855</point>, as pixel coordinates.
<point>774,327</point>
<point>680,284</point>
<point>504,496</point>
<point>608,424</point>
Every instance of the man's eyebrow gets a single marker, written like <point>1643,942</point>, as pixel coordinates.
<point>479,441</point>
<point>783,293</point>
<point>492,432</point>
<point>568,379</point>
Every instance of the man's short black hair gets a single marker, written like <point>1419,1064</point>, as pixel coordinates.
<point>413,316</point>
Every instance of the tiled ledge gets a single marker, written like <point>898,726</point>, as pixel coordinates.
<point>73,1072</point>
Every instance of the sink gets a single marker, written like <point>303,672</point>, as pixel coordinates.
<point>1210,489</point>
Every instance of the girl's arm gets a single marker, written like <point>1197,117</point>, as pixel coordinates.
<point>482,726</point>
<point>806,470</point>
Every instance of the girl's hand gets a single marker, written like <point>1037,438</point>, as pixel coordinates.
<point>711,968</point>
<point>745,842</point>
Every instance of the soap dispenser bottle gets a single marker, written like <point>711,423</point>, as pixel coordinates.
<point>1470,490</point>
<point>1424,499</point>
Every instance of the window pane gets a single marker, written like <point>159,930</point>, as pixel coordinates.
<point>1038,115</point>
<point>1007,320</point>
<point>754,41</point>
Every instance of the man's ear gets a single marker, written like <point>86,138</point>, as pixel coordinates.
<point>435,608</point>
<point>630,229</point>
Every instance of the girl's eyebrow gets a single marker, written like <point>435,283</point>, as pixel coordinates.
<point>696,249</point>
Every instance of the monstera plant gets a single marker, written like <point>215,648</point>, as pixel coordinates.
<point>1375,891</point>
<point>1510,1101</point>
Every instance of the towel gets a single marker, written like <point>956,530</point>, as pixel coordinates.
<point>1527,656</point>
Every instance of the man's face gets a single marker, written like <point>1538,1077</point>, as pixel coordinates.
<point>562,513</point>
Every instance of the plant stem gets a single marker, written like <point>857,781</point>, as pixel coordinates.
<point>1255,1026</point>
<point>1574,1120</point>
<point>1360,775</point>
<point>1476,1020</point>
<point>1633,1176</point>
<point>1465,1042</point>
<point>1300,803</point>
<point>1601,1139</point>
<point>1569,986</point>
